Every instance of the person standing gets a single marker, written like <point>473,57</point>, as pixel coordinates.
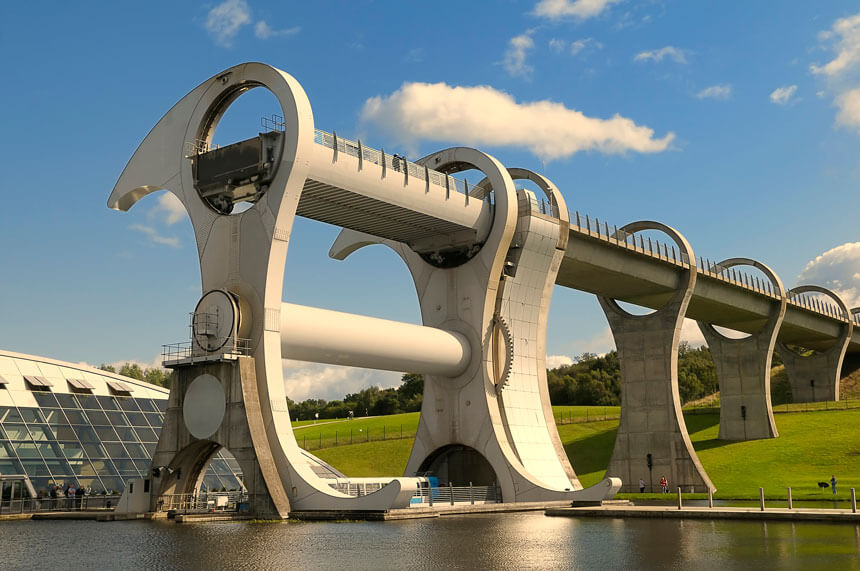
<point>641,486</point>
<point>833,483</point>
<point>664,484</point>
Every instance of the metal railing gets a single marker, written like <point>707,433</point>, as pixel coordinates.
<point>453,495</point>
<point>397,164</point>
<point>202,502</point>
<point>77,503</point>
<point>594,228</point>
<point>187,350</point>
<point>357,489</point>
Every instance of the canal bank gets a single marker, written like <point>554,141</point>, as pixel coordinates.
<point>714,513</point>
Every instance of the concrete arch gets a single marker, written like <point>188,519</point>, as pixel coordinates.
<point>775,318</point>
<point>685,290</point>
<point>652,436</point>
<point>460,465</point>
<point>743,366</point>
<point>816,377</point>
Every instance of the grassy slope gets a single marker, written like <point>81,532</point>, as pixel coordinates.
<point>811,447</point>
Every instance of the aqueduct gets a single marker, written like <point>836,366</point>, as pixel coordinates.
<point>484,261</point>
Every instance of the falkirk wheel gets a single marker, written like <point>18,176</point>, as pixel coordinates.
<point>483,259</point>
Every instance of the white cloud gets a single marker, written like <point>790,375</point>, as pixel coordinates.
<point>782,95</point>
<point>170,207</point>
<point>485,116</point>
<point>557,45</point>
<point>670,52</point>
<point>224,20</point>
<point>837,269</point>
<point>848,104</point>
<point>556,361</point>
<point>580,9</point>
<point>154,236</point>
<point>304,380</point>
<point>515,57</point>
<point>263,31</point>
<point>715,92</point>
<point>847,47</point>
<point>599,344</point>
<point>576,46</point>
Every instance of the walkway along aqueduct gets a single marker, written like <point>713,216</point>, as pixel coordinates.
<point>484,260</point>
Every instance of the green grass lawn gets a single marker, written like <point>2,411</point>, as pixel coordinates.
<point>811,447</point>
<point>330,433</point>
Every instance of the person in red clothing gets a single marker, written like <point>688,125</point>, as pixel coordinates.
<point>664,484</point>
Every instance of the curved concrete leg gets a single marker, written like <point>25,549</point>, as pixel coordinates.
<point>242,256</point>
<point>743,368</point>
<point>651,429</point>
<point>816,377</point>
<point>497,414</point>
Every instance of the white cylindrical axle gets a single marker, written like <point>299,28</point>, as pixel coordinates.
<point>337,338</point>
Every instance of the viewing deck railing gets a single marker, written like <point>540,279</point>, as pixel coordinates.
<point>203,501</point>
<point>452,495</point>
<point>594,228</point>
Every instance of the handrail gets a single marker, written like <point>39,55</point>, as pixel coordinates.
<point>594,228</point>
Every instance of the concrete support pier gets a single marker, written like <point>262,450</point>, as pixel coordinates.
<point>815,377</point>
<point>652,440</point>
<point>743,367</point>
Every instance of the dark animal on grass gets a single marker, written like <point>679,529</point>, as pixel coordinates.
<point>823,485</point>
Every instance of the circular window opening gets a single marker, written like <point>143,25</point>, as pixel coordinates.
<point>237,152</point>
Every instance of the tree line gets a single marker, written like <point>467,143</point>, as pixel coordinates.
<point>590,380</point>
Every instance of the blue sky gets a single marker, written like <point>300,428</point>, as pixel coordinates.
<point>738,123</point>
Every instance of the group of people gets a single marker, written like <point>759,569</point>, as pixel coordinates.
<point>74,495</point>
<point>664,485</point>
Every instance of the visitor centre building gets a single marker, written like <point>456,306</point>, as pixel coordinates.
<point>64,423</point>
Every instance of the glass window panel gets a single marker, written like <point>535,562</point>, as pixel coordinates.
<point>54,416</point>
<point>17,432</point>
<point>35,468</point>
<point>127,434</point>
<point>88,401</point>
<point>128,403</point>
<point>161,404</point>
<point>108,403</point>
<point>136,450</point>
<point>149,447</point>
<point>155,419</point>
<point>26,450</point>
<point>76,417</point>
<point>115,450</point>
<point>71,450</point>
<point>3,434</point>
<point>147,435</point>
<point>113,484</point>
<point>59,468</point>
<point>117,419</point>
<point>94,449</point>
<point>6,451</point>
<point>136,419</point>
<point>98,417</point>
<point>42,485</point>
<point>31,415</point>
<point>41,432</point>
<point>48,450</point>
<point>65,432</point>
<point>125,466</point>
<point>146,405</point>
<point>66,400</point>
<point>9,414</point>
<point>142,466</point>
<point>89,484</point>
<point>46,399</point>
<point>86,434</point>
<point>104,467</point>
<point>106,433</point>
<point>212,482</point>
<point>10,466</point>
<point>82,468</point>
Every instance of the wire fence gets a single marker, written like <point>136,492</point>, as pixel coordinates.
<point>355,436</point>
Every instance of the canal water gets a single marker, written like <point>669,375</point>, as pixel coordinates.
<point>497,541</point>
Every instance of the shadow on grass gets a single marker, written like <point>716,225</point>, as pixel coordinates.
<point>697,422</point>
<point>592,453</point>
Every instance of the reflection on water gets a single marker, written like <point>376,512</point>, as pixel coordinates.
<point>498,541</point>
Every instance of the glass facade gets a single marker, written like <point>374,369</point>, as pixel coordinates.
<point>95,441</point>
